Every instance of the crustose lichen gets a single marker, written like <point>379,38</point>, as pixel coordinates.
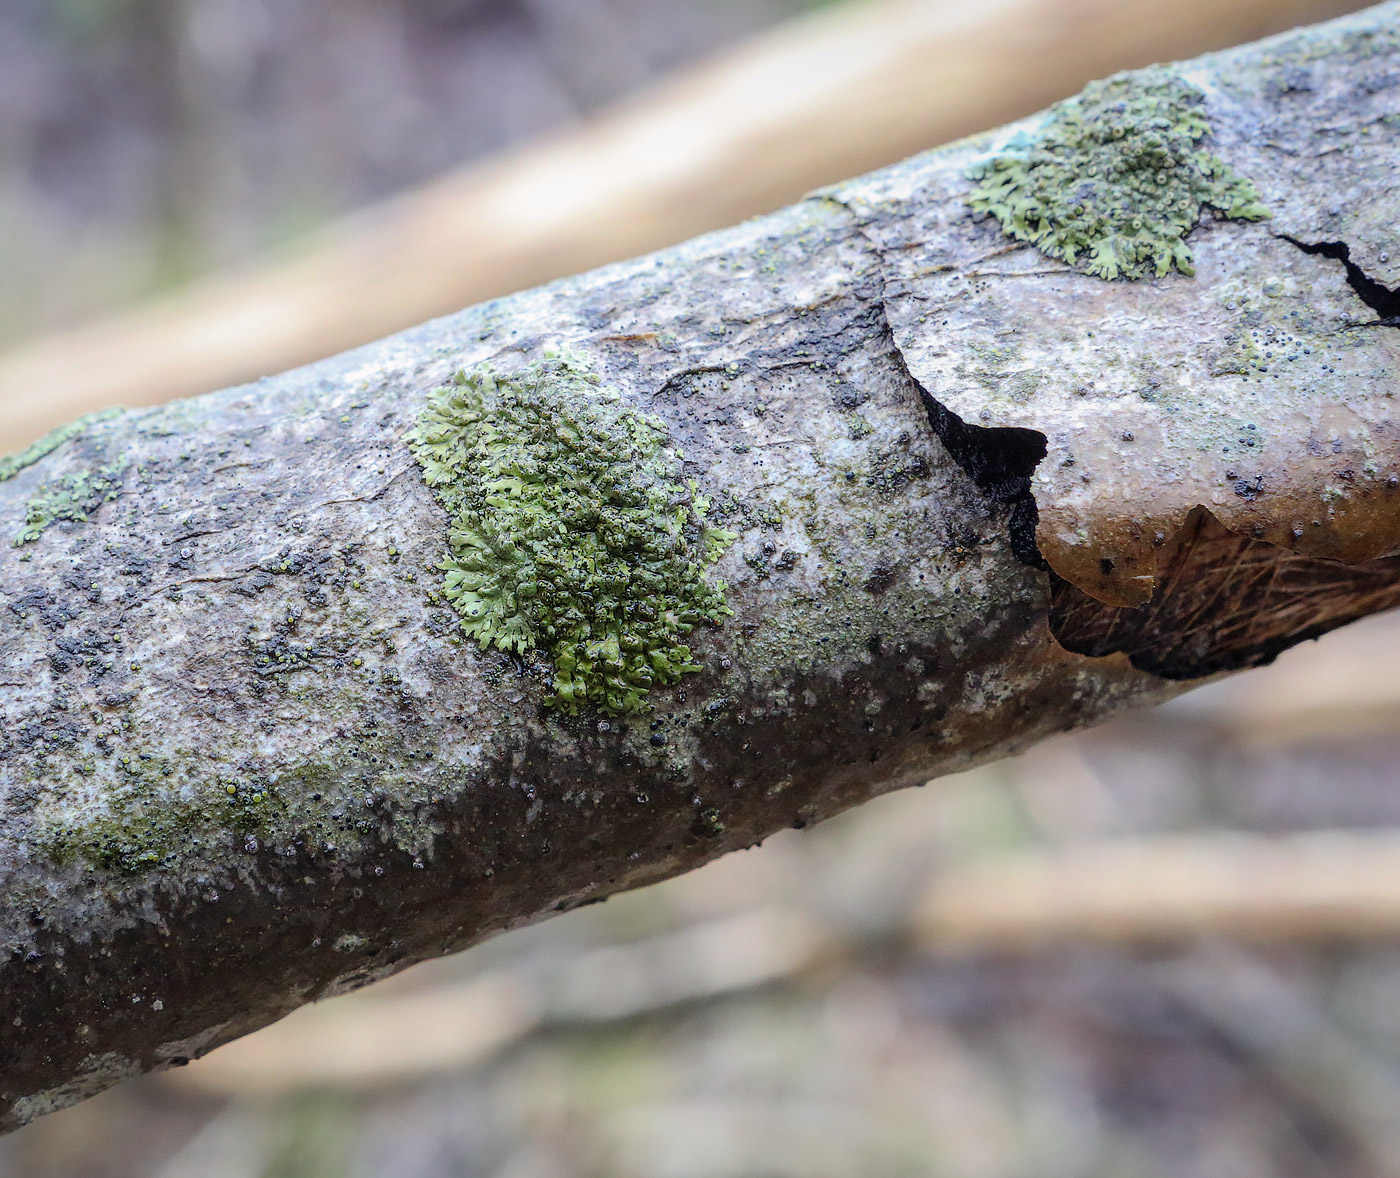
<point>571,529</point>
<point>71,497</point>
<point>1116,178</point>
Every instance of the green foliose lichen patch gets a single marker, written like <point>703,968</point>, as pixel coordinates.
<point>572,530</point>
<point>12,464</point>
<point>1115,178</point>
<point>70,497</point>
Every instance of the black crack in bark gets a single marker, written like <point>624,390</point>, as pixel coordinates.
<point>1383,300</point>
<point>1222,602</point>
<point>1000,460</point>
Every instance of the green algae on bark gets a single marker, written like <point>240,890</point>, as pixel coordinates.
<point>148,827</point>
<point>1115,178</point>
<point>571,530</point>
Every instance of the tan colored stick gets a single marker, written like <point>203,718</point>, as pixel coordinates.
<point>821,99</point>
<point>1329,884</point>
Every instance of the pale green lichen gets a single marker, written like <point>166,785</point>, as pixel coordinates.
<point>1115,178</point>
<point>12,464</point>
<point>572,530</point>
<point>71,497</point>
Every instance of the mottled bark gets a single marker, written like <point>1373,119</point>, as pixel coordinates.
<point>248,760</point>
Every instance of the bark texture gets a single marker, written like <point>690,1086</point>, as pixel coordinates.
<point>248,759</point>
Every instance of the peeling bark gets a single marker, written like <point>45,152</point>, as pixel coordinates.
<point>1262,388</point>
<point>248,759</point>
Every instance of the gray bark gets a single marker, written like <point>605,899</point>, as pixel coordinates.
<point>248,760</point>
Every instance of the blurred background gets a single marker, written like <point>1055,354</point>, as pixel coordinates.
<point>1169,946</point>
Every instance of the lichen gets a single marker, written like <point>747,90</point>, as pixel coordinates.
<point>145,828</point>
<point>153,811</point>
<point>71,497</point>
<point>1115,178</point>
<point>12,464</point>
<point>572,531</point>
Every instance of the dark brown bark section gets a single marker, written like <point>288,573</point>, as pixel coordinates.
<point>1224,603</point>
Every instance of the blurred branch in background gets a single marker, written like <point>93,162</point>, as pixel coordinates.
<point>148,142</point>
<point>841,92</point>
<point>1328,885</point>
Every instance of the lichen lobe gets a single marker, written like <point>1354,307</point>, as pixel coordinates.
<point>571,529</point>
<point>1115,178</point>
<point>12,464</point>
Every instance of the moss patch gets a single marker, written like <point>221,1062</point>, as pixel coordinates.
<point>1115,179</point>
<point>571,529</point>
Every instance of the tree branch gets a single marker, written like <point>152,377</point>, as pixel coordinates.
<point>250,758</point>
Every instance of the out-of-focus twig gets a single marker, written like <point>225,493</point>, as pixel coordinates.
<point>1327,884</point>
